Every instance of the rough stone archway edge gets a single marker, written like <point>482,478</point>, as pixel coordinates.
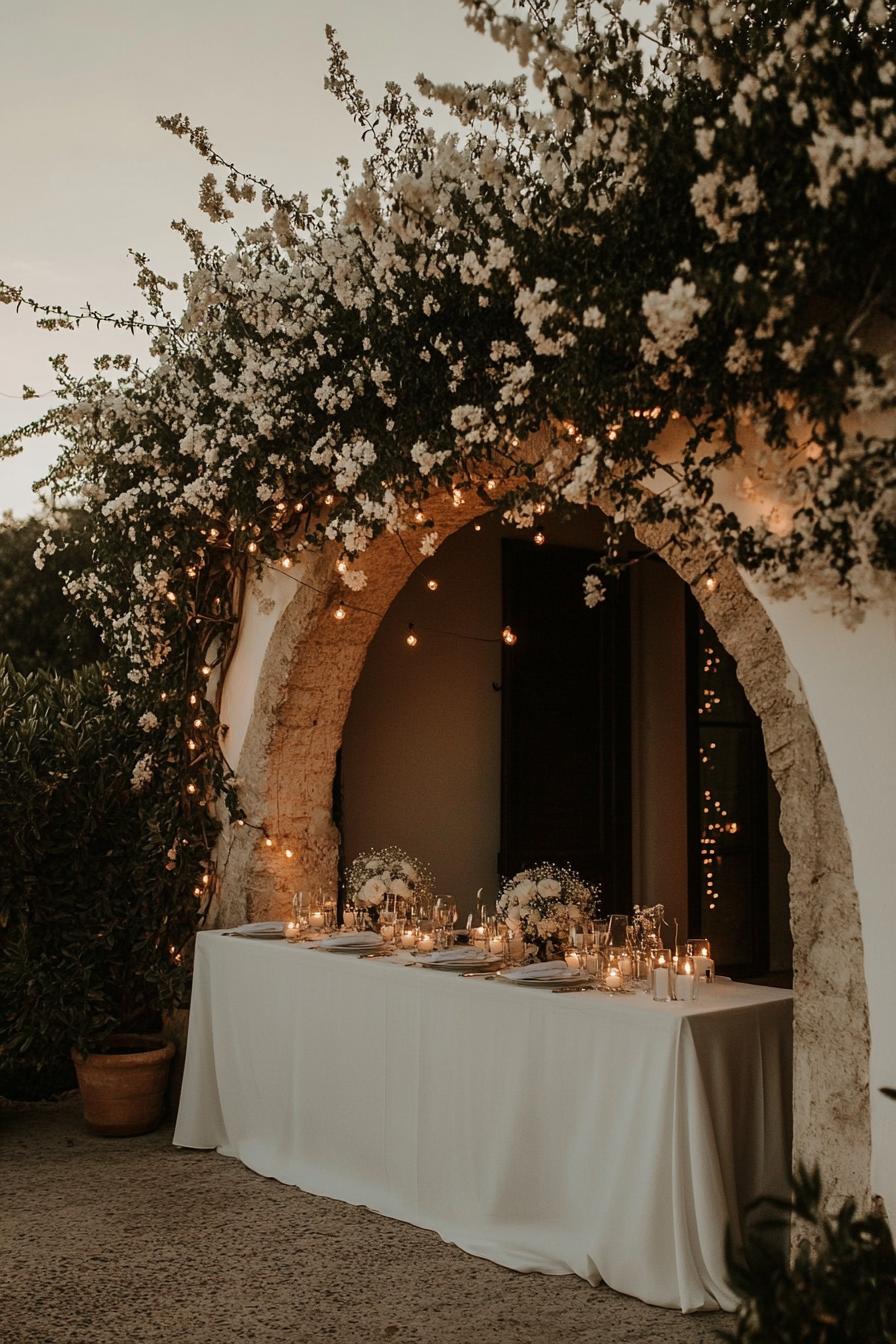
<point>287,767</point>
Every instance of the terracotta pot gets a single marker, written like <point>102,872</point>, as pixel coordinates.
<point>123,1091</point>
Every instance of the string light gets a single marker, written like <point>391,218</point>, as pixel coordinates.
<point>508,636</point>
<point>191,787</point>
<point>410,638</point>
<point>191,743</point>
<point>288,854</point>
<point>491,484</point>
<point>477,527</point>
<point>710,583</point>
<point>328,499</point>
<point>285,561</point>
<point>213,534</point>
<point>419,516</point>
<point>172,597</point>
<point>268,842</point>
<point>206,670</point>
<point>193,700</point>
<point>539,538</point>
<point>342,566</point>
<point>340,613</point>
<point>197,723</point>
<point>540,507</point>
<point>432,584</point>
<point>252,547</point>
<point>457,497</point>
<point>191,571</point>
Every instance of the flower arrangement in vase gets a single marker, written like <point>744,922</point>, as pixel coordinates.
<point>386,876</point>
<point>541,902</point>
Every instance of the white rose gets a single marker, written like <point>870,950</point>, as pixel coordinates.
<point>549,887</point>
<point>523,890</point>
<point>372,892</point>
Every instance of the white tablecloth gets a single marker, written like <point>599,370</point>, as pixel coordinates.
<point>610,1137</point>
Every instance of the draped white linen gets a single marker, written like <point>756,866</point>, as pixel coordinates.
<point>610,1137</point>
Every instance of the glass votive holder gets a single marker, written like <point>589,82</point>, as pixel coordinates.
<point>516,949</point>
<point>407,936</point>
<point>615,978</point>
<point>292,932</point>
<point>660,980</point>
<point>387,931</point>
<point>699,953</point>
<point>685,981</point>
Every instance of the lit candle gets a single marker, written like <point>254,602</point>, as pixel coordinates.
<point>316,919</point>
<point>659,980</point>
<point>496,946</point>
<point>408,938</point>
<point>685,983</point>
<point>614,978</point>
<point>478,934</point>
<point>425,943</point>
<point>572,961</point>
<point>703,966</point>
<point>292,932</point>
<point>387,932</point>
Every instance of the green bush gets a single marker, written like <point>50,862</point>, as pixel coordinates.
<point>39,626</point>
<point>839,1287</point>
<point>94,923</point>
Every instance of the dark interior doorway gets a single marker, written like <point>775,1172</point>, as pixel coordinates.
<point>565,725</point>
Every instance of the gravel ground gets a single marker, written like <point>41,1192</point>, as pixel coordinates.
<point>132,1241</point>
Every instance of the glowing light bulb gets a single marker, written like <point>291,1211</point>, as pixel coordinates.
<point>432,584</point>
<point>419,516</point>
<point>287,853</point>
<point>457,497</point>
<point>477,527</point>
<point>411,639</point>
<point>191,743</point>
<point>710,583</point>
<point>213,533</point>
<point>540,506</point>
<point>240,822</point>
<point>280,507</point>
<point>285,562</point>
<point>491,484</point>
<point>172,597</point>
<point>193,700</point>
<point>252,547</point>
<point>342,566</point>
<point>328,499</point>
<point>340,613</point>
<point>539,538</point>
<point>206,670</point>
<point>191,571</point>
<point>191,788</point>
<point>197,723</point>
<point>508,635</point>
<point>268,842</point>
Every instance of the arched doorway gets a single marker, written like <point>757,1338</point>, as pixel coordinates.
<point>288,760</point>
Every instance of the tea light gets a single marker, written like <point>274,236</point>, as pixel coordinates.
<point>387,932</point>
<point>496,946</point>
<point>614,978</point>
<point>478,934</point>
<point>425,943</point>
<point>316,919</point>
<point>573,961</point>
<point>292,932</point>
<point>408,938</point>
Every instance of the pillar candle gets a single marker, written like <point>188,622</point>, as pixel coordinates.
<point>408,938</point>
<point>316,919</point>
<point>425,943</point>
<point>660,983</point>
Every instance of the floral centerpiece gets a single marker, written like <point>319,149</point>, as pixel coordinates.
<point>386,876</point>
<point>541,903</point>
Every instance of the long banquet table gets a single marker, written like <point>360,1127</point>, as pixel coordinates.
<point>605,1136</point>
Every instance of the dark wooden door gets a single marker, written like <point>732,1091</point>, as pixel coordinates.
<point>565,739</point>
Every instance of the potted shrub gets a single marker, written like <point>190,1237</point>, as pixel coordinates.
<point>92,909</point>
<point>837,1287</point>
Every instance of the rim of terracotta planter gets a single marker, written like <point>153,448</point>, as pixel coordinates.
<point>150,1048</point>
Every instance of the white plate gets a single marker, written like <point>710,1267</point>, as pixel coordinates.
<point>368,943</point>
<point>462,964</point>
<point>546,981</point>
<point>272,929</point>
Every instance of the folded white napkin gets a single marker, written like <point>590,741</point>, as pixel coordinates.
<point>459,954</point>
<point>352,939</point>
<point>544,970</point>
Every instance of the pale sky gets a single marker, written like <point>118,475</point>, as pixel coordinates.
<point>88,174</point>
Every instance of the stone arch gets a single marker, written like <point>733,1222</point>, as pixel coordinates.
<point>287,766</point>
